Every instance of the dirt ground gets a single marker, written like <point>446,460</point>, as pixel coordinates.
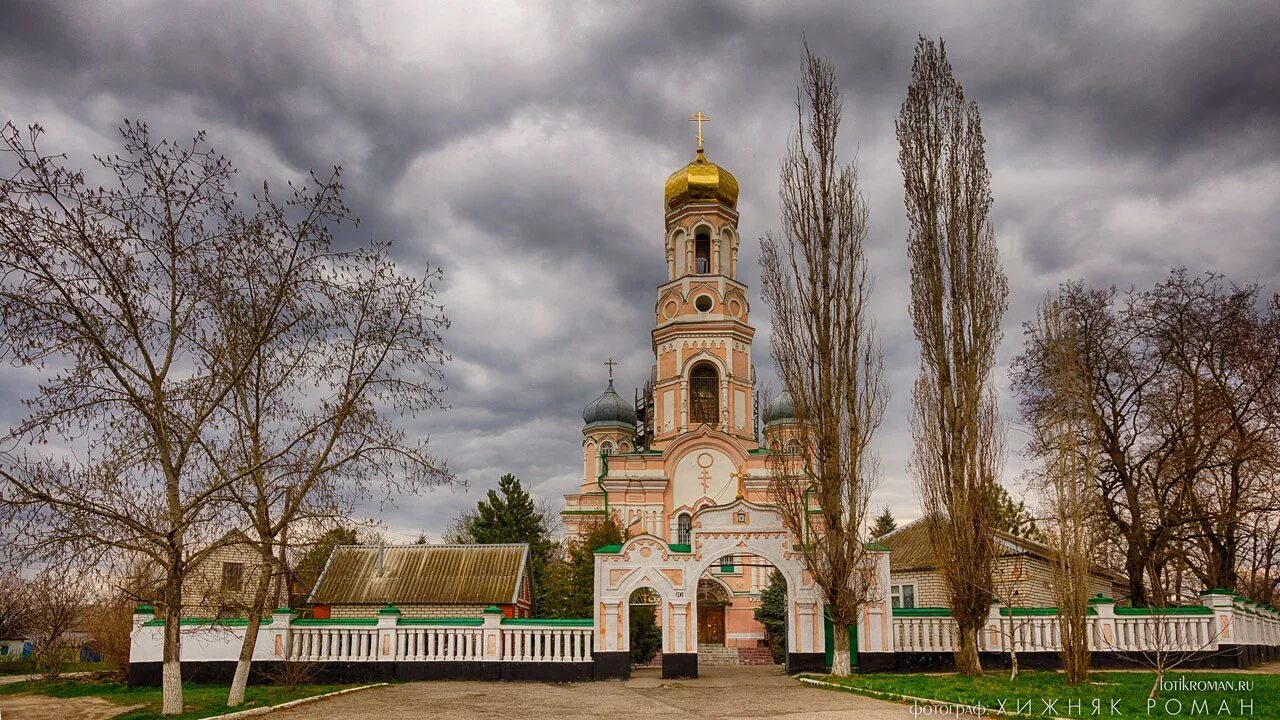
<point>722,692</point>
<point>39,707</point>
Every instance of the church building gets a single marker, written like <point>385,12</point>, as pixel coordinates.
<point>689,439</point>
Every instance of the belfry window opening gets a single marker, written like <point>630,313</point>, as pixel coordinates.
<point>702,253</point>
<point>704,395</point>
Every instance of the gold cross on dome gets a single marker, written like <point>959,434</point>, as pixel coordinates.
<point>609,364</point>
<point>742,481</point>
<point>699,118</point>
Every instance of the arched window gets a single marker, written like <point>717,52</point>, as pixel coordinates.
<point>793,446</point>
<point>606,449</point>
<point>684,527</point>
<point>702,253</point>
<point>704,395</point>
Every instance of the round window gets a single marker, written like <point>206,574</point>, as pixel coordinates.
<point>702,302</point>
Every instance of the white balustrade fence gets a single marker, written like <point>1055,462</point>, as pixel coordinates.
<point>1223,619</point>
<point>389,638</point>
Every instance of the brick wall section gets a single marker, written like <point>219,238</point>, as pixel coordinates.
<point>408,611</point>
<point>931,589</point>
<point>1034,588</point>
<point>202,591</point>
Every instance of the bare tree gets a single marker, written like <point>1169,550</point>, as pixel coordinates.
<point>817,286</point>
<point>15,606</point>
<point>958,298</point>
<point>58,600</point>
<point>115,289</point>
<point>1180,434</point>
<point>315,416</point>
<point>1067,477</point>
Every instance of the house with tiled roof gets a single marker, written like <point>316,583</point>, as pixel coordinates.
<point>424,581</point>
<point>1023,571</point>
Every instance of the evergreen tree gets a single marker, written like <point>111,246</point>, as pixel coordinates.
<point>646,636</point>
<point>884,524</point>
<point>509,515</point>
<point>313,561</point>
<point>772,614</point>
<point>570,584</point>
<point>1012,516</point>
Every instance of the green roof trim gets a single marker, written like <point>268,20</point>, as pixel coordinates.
<point>549,622</point>
<point>144,609</point>
<point>336,622</point>
<point>922,612</point>
<point>1100,599</point>
<point>1217,591</point>
<point>608,550</point>
<point>680,547</point>
<point>1036,612</point>
<point>389,610</point>
<point>464,621</point>
<point>283,610</point>
<point>211,622</point>
<point>875,546</point>
<point>1175,610</point>
<point>492,610</point>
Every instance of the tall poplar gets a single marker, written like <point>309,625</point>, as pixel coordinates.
<point>958,298</point>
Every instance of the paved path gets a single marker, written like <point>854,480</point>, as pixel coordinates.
<point>722,693</point>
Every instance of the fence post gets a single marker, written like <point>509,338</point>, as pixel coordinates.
<point>1223,604</point>
<point>388,619</point>
<point>492,648</point>
<point>281,629</point>
<point>1106,637</point>
<point>994,640</point>
<point>142,615</point>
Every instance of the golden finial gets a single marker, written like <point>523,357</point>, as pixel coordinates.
<point>699,118</point>
<point>742,481</point>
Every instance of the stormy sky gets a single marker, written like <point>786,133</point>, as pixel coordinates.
<point>523,149</point>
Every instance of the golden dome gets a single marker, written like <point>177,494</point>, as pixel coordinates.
<point>701,180</point>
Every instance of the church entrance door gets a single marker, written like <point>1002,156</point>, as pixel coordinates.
<point>711,625</point>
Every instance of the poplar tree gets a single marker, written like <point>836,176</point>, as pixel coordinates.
<point>816,282</point>
<point>958,299</point>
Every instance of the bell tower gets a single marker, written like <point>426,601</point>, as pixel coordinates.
<point>703,374</point>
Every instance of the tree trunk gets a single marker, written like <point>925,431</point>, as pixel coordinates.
<point>171,677</point>
<point>240,680</point>
<point>1135,567</point>
<point>841,664</point>
<point>967,662</point>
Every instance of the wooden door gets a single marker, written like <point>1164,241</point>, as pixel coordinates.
<point>711,625</point>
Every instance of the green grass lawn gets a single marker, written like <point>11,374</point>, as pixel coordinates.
<point>1118,694</point>
<point>199,701</point>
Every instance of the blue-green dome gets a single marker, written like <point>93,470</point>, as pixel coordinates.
<point>780,409</point>
<point>609,409</point>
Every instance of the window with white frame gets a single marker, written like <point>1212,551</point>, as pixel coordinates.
<point>903,595</point>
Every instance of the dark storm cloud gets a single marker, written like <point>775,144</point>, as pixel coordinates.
<point>523,150</point>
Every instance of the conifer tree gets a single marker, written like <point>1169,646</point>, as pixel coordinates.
<point>509,515</point>
<point>772,614</point>
<point>884,523</point>
<point>570,584</point>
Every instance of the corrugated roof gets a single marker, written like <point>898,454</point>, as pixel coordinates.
<point>440,574</point>
<point>910,549</point>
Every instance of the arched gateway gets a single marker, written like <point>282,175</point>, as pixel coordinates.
<point>672,571</point>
